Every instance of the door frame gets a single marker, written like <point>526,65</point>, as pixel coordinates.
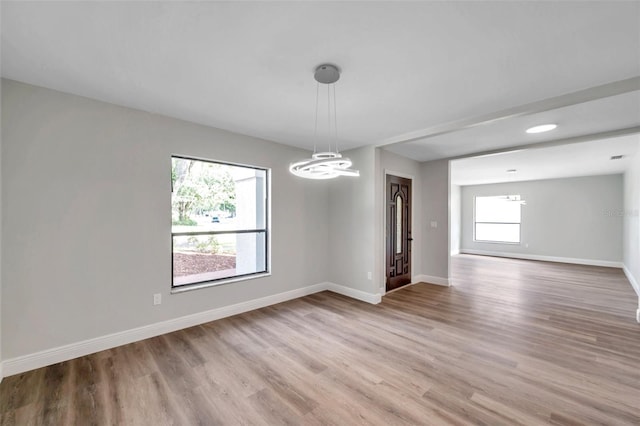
<point>412,178</point>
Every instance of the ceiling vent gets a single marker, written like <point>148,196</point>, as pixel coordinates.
<point>617,157</point>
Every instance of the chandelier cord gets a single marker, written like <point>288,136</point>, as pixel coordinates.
<point>329,116</point>
<point>335,117</point>
<point>315,130</point>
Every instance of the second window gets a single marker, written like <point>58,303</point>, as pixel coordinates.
<point>497,219</point>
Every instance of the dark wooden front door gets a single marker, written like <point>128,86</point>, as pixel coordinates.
<point>398,231</point>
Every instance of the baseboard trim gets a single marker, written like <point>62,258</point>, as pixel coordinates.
<point>591,262</point>
<point>47,357</point>
<point>432,280</point>
<point>373,298</point>
<point>24,363</point>
<point>631,279</point>
<point>635,286</point>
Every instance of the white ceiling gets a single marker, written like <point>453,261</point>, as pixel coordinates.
<point>610,113</point>
<point>247,66</point>
<point>569,160</point>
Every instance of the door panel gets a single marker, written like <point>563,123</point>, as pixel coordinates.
<point>398,232</point>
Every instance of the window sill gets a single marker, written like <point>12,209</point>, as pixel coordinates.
<point>197,286</point>
<point>497,242</point>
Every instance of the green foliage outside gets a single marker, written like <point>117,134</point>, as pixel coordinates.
<point>210,245</point>
<point>200,187</point>
<point>185,222</point>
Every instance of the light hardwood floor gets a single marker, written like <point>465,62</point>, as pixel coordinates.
<point>513,342</point>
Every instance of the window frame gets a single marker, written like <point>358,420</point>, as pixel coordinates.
<point>266,230</point>
<point>475,222</point>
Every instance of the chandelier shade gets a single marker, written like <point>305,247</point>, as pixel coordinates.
<point>323,165</point>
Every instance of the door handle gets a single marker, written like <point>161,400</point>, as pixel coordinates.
<point>409,239</point>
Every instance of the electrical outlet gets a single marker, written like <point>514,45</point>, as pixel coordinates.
<point>157,298</point>
<point>369,276</point>
<point>434,224</point>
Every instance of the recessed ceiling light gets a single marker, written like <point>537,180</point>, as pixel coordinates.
<point>541,128</point>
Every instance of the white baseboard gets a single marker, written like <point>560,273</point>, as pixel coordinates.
<point>591,262</point>
<point>432,280</point>
<point>373,298</point>
<point>454,252</point>
<point>63,353</point>
<point>46,357</point>
<point>632,280</point>
<point>635,286</point>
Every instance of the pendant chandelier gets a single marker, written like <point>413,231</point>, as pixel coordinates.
<point>514,198</point>
<point>327,164</point>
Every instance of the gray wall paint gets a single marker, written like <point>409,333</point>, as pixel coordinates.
<point>396,164</point>
<point>1,137</point>
<point>455,219</point>
<point>571,218</point>
<point>86,218</point>
<point>631,219</point>
<point>351,224</point>
<point>357,219</point>
<point>435,207</point>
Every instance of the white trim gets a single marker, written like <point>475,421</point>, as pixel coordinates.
<point>181,288</point>
<point>63,353</point>
<point>632,280</point>
<point>399,174</point>
<point>449,218</point>
<point>429,279</point>
<point>373,298</point>
<point>635,286</point>
<point>46,357</point>
<point>592,262</point>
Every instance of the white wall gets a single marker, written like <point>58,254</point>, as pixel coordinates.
<point>435,208</point>
<point>631,225</point>
<point>352,220</point>
<point>86,218</point>
<point>390,163</point>
<point>574,218</point>
<point>455,221</point>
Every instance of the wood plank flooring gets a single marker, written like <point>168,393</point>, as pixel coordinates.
<point>513,342</point>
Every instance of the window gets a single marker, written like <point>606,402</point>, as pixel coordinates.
<point>497,219</point>
<point>219,221</point>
